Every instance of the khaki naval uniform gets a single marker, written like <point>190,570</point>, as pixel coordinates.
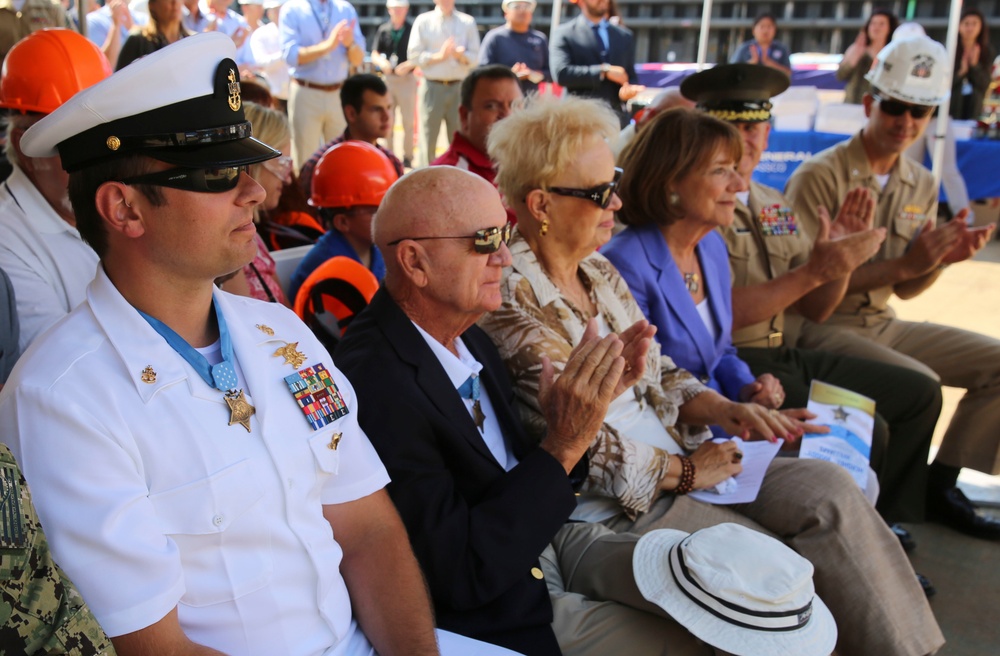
<point>765,243</point>
<point>865,326</point>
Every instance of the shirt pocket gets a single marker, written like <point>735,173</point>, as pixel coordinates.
<point>224,542</point>
<point>740,245</point>
<point>780,250</point>
<point>906,227</point>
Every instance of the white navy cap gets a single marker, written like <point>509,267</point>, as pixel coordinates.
<point>180,105</point>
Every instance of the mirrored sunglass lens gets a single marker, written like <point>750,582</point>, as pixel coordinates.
<point>222,179</point>
<point>488,241</point>
<point>606,195</point>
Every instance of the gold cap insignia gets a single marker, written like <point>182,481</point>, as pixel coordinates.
<point>148,375</point>
<point>114,143</point>
<point>267,330</point>
<point>234,91</point>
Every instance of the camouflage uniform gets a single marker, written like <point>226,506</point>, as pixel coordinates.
<point>40,610</point>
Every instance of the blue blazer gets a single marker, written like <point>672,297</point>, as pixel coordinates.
<point>645,262</point>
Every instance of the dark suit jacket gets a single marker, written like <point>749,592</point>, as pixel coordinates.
<point>575,58</point>
<point>476,529</point>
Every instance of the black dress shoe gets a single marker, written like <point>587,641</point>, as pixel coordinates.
<point>927,586</point>
<point>953,508</point>
<point>905,537</point>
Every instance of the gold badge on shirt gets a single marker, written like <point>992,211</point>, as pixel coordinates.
<point>240,409</point>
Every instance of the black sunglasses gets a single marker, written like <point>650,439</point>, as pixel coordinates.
<point>486,241</point>
<point>211,181</point>
<point>896,108</point>
<point>599,195</point>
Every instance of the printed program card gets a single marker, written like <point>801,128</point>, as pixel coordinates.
<point>851,419</point>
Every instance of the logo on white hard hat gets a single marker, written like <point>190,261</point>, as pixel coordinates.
<point>913,70</point>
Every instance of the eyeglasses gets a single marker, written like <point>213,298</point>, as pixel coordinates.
<point>281,167</point>
<point>896,108</point>
<point>599,195</point>
<point>211,181</point>
<point>486,241</point>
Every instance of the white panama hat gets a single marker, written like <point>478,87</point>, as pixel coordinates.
<point>736,589</point>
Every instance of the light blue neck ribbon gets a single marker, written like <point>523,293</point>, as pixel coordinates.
<point>221,376</point>
<point>470,388</point>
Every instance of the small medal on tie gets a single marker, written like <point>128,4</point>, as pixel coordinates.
<point>470,390</point>
<point>477,415</point>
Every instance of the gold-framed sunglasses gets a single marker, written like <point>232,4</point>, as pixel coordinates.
<point>485,241</point>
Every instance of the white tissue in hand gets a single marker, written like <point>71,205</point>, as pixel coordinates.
<point>727,486</point>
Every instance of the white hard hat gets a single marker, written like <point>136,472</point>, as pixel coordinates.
<point>908,30</point>
<point>915,70</point>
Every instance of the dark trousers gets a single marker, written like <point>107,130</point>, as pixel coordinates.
<point>907,405</point>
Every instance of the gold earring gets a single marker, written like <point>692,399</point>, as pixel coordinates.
<point>544,227</point>
<point>674,198</point>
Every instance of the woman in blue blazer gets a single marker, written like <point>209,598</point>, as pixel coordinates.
<point>675,262</point>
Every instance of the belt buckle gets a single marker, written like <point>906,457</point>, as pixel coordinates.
<point>776,339</point>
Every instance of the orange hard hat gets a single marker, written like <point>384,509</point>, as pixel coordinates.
<point>44,69</point>
<point>333,295</point>
<point>349,174</point>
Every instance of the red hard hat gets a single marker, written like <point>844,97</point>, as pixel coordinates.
<point>340,287</point>
<point>351,173</point>
<point>46,68</point>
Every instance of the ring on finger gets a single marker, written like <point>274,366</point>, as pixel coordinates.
<point>772,412</point>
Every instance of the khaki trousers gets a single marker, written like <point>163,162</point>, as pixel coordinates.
<point>315,117</point>
<point>403,90</point>
<point>956,357</point>
<point>814,507</point>
<point>610,617</point>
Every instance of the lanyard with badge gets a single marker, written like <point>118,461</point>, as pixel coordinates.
<point>325,20</point>
<point>221,376</point>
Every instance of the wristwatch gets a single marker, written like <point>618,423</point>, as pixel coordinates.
<point>605,69</point>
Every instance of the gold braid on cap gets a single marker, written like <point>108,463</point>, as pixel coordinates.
<point>740,116</point>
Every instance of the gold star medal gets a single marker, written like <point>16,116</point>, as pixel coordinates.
<point>477,415</point>
<point>292,354</point>
<point>839,414</point>
<point>240,409</point>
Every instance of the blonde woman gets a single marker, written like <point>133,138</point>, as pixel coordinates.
<point>259,279</point>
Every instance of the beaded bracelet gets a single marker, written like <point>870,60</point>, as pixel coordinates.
<point>686,483</point>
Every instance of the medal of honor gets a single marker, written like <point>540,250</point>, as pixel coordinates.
<point>240,409</point>
<point>477,415</point>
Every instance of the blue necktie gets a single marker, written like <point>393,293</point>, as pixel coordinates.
<point>470,390</point>
<point>601,42</point>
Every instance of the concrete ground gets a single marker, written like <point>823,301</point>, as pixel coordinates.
<point>965,570</point>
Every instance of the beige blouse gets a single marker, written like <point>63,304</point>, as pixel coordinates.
<point>535,319</point>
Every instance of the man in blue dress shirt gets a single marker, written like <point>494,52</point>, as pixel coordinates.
<point>320,40</point>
